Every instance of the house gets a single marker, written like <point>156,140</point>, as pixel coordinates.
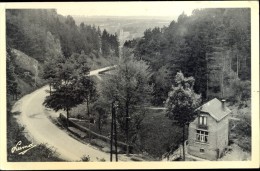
<point>208,133</point>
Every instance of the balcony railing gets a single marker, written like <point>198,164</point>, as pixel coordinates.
<point>203,126</point>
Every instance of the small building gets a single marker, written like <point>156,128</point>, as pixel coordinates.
<point>208,133</point>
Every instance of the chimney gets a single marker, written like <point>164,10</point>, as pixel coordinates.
<point>223,101</point>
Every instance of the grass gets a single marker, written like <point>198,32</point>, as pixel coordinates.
<point>158,134</point>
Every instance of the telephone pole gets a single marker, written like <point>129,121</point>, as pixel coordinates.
<point>113,132</point>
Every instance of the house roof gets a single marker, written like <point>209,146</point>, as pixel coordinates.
<point>214,109</point>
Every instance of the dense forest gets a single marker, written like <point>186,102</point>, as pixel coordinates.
<point>212,45</point>
<point>45,35</point>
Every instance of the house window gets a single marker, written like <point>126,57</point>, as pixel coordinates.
<point>202,120</point>
<point>202,150</point>
<point>202,136</point>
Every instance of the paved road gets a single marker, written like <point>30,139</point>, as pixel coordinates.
<point>34,117</point>
<point>95,72</point>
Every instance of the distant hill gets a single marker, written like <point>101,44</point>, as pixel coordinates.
<point>127,28</point>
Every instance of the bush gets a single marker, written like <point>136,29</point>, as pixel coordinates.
<point>241,91</point>
<point>102,160</point>
<point>85,158</point>
<point>242,129</point>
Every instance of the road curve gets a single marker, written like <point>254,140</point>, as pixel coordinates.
<point>34,116</point>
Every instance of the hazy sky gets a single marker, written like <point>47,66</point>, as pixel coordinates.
<point>171,9</point>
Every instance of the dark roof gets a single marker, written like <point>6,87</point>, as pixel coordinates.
<point>214,109</point>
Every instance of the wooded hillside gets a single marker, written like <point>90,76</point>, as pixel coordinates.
<point>212,45</point>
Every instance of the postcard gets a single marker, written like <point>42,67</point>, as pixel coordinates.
<point>167,84</point>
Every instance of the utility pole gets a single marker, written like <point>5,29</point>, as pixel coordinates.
<point>111,133</point>
<point>207,96</point>
<point>115,129</point>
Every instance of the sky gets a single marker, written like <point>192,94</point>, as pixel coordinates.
<point>152,8</point>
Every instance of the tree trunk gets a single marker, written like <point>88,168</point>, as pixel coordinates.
<point>127,127</point>
<point>183,142</point>
<point>230,62</point>
<point>88,106</point>
<point>67,111</point>
<point>111,134</point>
<point>115,128</point>
<point>237,65</point>
<point>99,124</point>
<point>89,127</point>
<point>222,77</point>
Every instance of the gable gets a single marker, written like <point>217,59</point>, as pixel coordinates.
<point>214,108</point>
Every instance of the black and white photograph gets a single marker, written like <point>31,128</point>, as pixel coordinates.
<point>172,82</point>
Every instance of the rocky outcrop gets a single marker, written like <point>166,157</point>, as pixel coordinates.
<point>26,62</point>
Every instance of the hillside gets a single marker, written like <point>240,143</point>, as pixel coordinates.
<point>26,71</point>
<point>38,37</point>
<point>26,62</point>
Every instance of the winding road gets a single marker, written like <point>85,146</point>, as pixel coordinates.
<point>34,116</point>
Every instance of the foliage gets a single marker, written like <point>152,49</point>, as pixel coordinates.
<point>72,86</point>
<point>85,158</point>
<point>12,85</point>
<point>241,90</point>
<point>182,100</point>
<point>129,87</point>
<point>243,130</point>
<point>158,134</point>
<point>42,34</point>
<point>162,85</point>
<point>109,44</point>
<point>206,45</point>
<point>100,111</point>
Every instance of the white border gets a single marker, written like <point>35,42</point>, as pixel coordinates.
<point>254,163</point>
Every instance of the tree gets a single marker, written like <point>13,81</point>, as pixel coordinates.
<point>88,90</point>
<point>105,43</point>
<point>65,95</point>
<point>240,90</point>
<point>181,103</point>
<point>100,108</point>
<point>162,86</point>
<point>85,84</point>
<point>129,87</point>
<point>49,72</point>
<point>72,86</point>
<point>12,85</point>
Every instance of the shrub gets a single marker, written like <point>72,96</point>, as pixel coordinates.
<point>85,158</point>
